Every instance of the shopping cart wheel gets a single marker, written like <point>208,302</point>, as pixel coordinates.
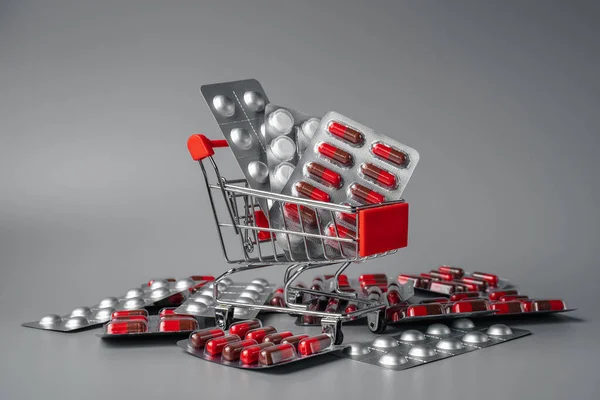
<point>333,327</point>
<point>377,322</point>
<point>224,316</point>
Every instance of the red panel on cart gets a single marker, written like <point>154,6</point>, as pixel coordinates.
<point>383,229</point>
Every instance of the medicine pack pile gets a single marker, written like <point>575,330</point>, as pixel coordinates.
<point>317,190</point>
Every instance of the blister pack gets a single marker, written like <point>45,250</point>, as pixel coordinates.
<point>461,290</point>
<point>286,132</point>
<point>239,109</point>
<point>136,324</point>
<point>345,163</point>
<point>202,303</point>
<point>250,345</point>
<point>160,292</point>
<point>399,300</point>
<point>436,342</point>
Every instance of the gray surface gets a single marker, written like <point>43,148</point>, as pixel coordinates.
<point>99,194</point>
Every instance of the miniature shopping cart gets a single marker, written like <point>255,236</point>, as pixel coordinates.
<point>380,230</point>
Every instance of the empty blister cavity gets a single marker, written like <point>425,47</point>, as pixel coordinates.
<point>450,344</point>
<point>475,337</point>
<point>412,335</point>
<point>384,342</point>
<point>392,359</point>
<point>463,324</point>
<point>421,351</point>
<point>224,105</point>
<point>438,330</point>
<point>258,171</point>
<point>499,330</point>
<point>254,101</point>
<point>50,319</point>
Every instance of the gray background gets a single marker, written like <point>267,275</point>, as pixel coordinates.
<point>99,193</point>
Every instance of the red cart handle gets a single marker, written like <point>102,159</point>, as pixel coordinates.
<point>201,147</point>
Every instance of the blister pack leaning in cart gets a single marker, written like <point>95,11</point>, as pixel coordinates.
<point>381,229</point>
<point>345,163</point>
<point>239,108</point>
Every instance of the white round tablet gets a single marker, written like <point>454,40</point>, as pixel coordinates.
<point>281,121</point>
<point>283,172</point>
<point>283,148</point>
<point>309,127</point>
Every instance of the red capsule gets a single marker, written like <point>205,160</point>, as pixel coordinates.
<point>127,313</point>
<point>242,328</point>
<point>365,194</point>
<point>507,307</point>
<point>492,280</point>
<point>259,333</point>
<point>548,305</point>
<point>381,176</point>
<point>393,297</point>
<point>261,221</point>
<point>426,280</point>
<point>199,338</point>
<point>294,340</point>
<point>250,354</point>
<point>277,338</point>
<point>351,307</point>
<point>309,191</point>
<point>389,154</point>
<point>477,284</point>
<point>202,278</point>
<point>277,354</point>
<point>279,290</point>
<point>464,295</point>
<point>317,286</point>
<point>332,305</point>
<point>171,316</point>
<point>324,175</point>
<point>439,300</point>
<point>173,300</point>
<point>335,154</point>
<point>447,269</point>
<point>511,297</point>
<point>233,351</point>
<point>370,277</point>
<point>526,304</point>
<point>177,324</point>
<point>396,312</point>
<point>131,318</point>
<point>404,279</point>
<point>122,326</point>
<point>445,287</point>
<point>347,217</point>
<point>309,217</point>
<point>277,300</point>
<point>214,347</point>
<point>342,232</point>
<point>424,309</point>
<point>441,275</point>
<point>341,278</point>
<point>494,296</point>
<point>465,306</point>
<point>314,344</point>
<point>346,133</point>
<point>167,311</point>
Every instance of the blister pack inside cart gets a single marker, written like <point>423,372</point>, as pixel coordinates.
<point>341,202</point>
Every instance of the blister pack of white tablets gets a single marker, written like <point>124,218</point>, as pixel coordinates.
<point>284,131</point>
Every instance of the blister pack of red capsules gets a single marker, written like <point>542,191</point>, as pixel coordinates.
<point>239,109</point>
<point>461,290</point>
<point>413,347</point>
<point>202,303</point>
<point>250,345</point>
<point>344,163</point>
<point>286,132</point>
<point>158,292</point>
<point>397,297</point>
<point>136,324</point>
